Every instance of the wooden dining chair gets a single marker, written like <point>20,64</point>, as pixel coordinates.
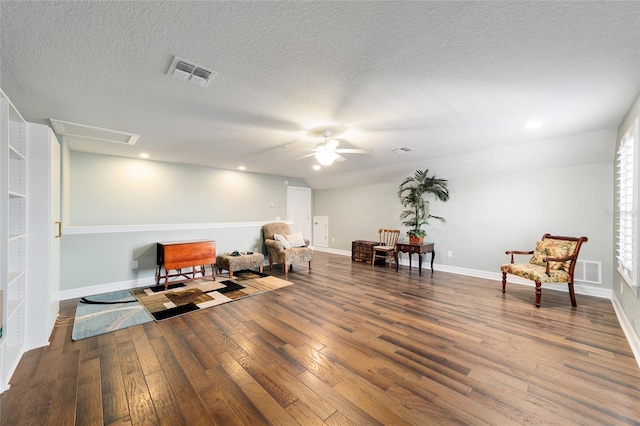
<point>388,240</point>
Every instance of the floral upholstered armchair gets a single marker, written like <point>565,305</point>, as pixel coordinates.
<point>553,261</point>
<point>284,247</point>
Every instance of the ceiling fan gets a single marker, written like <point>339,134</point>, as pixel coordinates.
<point>328,152</point>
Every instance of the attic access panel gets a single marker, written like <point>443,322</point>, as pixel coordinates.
<point>65,128</point>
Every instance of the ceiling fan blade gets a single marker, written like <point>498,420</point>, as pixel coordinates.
<point>332,144</point>
<point>305,156</point>
<point>354,151</point>
<point>339,157</point>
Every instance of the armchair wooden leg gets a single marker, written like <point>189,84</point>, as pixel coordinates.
<point>504,282</point>
<point>538,293</point>
<point>373,259</point>
<point>286,268</point>
<point>572,294</point>
<point>270,264</point>
<point>309,265</point>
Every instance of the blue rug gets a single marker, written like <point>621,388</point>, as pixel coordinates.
<point>95,319</point>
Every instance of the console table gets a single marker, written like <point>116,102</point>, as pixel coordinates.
<point>176,255</point>
<point>418,249</point>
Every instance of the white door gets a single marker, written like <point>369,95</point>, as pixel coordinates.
<point>321,231</point>
<point>43,254</point>
<point>56,225</point>
<point>299,209</point>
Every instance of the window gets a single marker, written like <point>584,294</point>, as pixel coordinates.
<point>627,205</point>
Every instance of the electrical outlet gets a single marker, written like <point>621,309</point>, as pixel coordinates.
<point>134,264</point>
<point>449,253</point>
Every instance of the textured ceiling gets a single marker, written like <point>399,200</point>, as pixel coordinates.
<point>456,81</point>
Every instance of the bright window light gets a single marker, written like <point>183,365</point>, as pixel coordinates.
<point>627,206</point>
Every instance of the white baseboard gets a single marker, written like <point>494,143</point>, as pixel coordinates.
<point>106,288</point>
<point>497,276</point>
<point>627,328</point>
<point>332,251</point>
<point>587,290</point>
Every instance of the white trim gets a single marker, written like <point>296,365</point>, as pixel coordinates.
<point>332,250</point>
<point>625,324</point>
<point>106,288</point>
<point>627,328</point>
<point>586,290</point>
<point>110,229</point>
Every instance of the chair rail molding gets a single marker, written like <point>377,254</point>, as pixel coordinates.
<point>112,229</point>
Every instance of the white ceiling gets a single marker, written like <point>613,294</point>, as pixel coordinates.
<point>456,81</point>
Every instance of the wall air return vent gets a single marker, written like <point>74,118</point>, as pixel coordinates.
<point>588,271</point>
<point>81,131</point>
<point>188,71</point>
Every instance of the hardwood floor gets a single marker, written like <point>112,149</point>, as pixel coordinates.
<point>347,344</point>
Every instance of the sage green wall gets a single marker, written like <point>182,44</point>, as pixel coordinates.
<point>357,212</point>
<point>89,260</point>
<point>107,190</point>
<point>627,296</point>
<point>488,214</point>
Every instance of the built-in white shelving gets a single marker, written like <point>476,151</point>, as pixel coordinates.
<point>29,243</point>
<point>13,238</point>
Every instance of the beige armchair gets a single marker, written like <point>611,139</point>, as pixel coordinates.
<point>553,261</point>
<point>276,246</point>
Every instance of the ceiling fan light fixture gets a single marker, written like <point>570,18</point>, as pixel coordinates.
<point>326,158</point>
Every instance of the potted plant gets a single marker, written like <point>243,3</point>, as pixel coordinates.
<point>412,193</point>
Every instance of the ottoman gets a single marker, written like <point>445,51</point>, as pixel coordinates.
<point>238,263</point>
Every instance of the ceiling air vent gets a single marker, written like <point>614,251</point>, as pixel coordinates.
<point>402,150</point>
<point>81,131</point>
<point>188,71</point>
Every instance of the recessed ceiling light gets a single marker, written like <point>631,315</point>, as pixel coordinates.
<point>242,168</point>
<point>533,124</point>
<point>316,167</point>
<point>144,155</point>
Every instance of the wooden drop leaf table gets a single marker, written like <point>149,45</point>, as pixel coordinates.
<point>184,254</point>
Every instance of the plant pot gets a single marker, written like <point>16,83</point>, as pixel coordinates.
<point>415,240</point>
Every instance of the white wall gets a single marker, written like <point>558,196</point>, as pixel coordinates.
<point>486,214</point>
<point>489,214</point>
<point>108,190</point>
<point>107,197</point>
<point>626,298</point>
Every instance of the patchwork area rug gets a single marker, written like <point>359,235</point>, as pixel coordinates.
<point>204,293</point>
<point>107,312</point>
